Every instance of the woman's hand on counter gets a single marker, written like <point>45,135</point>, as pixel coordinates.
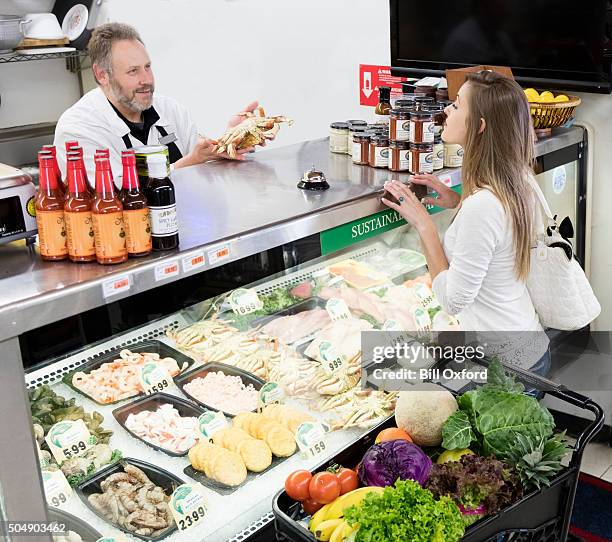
<point>409,206</point>
<point>447,198</point>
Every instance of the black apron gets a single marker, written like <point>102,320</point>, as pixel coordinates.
<point>173,150</point>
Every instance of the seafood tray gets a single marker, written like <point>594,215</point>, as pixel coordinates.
<point>307,305</point>
<point>223,489</point>
<point>149,346</point>
<point>166,480</point>
<point>200,372</point>
<point>151,403</point>
<point>74,524</point>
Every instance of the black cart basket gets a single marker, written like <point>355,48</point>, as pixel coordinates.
<point>540,516</point>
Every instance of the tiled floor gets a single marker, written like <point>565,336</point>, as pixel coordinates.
<point>597,461</point>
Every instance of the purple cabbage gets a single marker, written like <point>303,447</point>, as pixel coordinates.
<point>387,461</point>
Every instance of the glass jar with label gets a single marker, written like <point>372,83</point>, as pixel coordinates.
<point>399,124</point>
<point>338,137</point>
<point>361,148</point>
<point>453,155</point>
<point>379,151</point>
<point>354,129</point>
<point>421,158</point>
<point>438,154</point>
<point>421,127</point>
<point>399,155</point>
<point>437,110</point>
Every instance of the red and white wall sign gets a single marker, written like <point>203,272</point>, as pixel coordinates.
<point>371,77</point>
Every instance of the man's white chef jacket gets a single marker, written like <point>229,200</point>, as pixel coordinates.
<point>93,122</point>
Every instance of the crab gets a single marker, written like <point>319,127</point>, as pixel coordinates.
<point>359,408</point>
<point>294,373</point>
<point>345,379</point>
<point>253,130</point>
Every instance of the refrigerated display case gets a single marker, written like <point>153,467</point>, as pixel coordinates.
<point>241,225</point>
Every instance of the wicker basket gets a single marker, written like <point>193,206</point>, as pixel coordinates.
<point>552,115</point>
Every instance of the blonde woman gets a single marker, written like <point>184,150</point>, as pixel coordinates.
<point>480,268</point>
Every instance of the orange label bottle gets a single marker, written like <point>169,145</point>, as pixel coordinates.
<point>50,212</point>
<point>107,213</point>
<point>77,214</point>
<point>63,188</point>
<point>135,209</point>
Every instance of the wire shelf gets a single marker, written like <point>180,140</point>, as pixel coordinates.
<point>22,57</point>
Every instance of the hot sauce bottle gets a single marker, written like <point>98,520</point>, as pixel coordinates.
<point>51,148</point>
<point>50,212</point>
<point>90,187</point>
<point>162,204</point>
<point>77,214</point>
<point>107,213</point>
<point>135,209</point>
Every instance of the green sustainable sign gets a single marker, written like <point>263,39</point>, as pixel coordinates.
<point>359,230</point>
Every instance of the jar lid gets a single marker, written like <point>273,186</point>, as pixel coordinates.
<point>363,136</point>
<point>422,146</point>
<point>339,125</point>
<point>421,114</point>
<point>357,128</point>
<point>433,107</point>
<point>401,110</point>
<point>357,122</point>
<point>438,139</point>
<point>423,99</point>
<point>399,144</point>
<point>382,140</point>
<point>404,102</point>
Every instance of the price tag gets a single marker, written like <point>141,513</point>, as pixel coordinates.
<point>117,285</point>
<point>270,393</point>
<point>425,296</point>
<point>57,488</point>
<point>244,301</point>
<point>210,422</point>
<point>166,270</point>
<point>69,439</point>
<point>391,325</point>
<point>112,539</point>
<point>336,280</point>
<point>421,318</point>
<point>311,439</point>
<point>154,378</point>
<point>188,505</point>
<point>194,261</point>
<point>218,254</point>
<point>337,309</point>
<point>332,360</point>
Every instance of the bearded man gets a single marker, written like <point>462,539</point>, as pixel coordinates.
<point>124,112</point>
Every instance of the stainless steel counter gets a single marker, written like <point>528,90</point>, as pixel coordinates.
<point>237,208</point>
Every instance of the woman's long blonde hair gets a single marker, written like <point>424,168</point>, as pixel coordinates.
<point>501,157</point>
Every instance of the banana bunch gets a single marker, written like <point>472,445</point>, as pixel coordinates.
<point>328,524</point>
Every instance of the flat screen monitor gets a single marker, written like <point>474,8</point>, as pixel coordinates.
<point>552,43</point>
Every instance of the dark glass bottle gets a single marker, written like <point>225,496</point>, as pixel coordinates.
<point>162,204</point>
<point>135,209</point>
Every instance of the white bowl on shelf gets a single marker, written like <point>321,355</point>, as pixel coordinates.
<point>42,26</point>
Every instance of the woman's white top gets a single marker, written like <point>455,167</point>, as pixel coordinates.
<point>480,287</point>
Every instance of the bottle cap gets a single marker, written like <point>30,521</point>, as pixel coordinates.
<point>158,168</point>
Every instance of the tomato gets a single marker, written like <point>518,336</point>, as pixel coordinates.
<point>348,480</point>
<point>392,433</point>
<point>310,506</point>
<point>324,487</point>
<point>296,485</point>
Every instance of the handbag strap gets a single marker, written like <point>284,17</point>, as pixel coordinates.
<point>547,216</point>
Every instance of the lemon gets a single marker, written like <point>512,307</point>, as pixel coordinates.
<point>547,97</point>
<point>453,455</point>
<point>532,95</point>
<point>561,98</point>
